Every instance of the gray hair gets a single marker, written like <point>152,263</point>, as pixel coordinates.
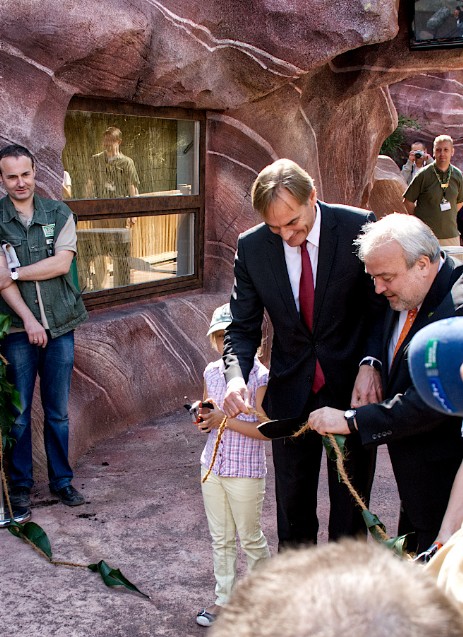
<point>414,237</point>
<point>283,173</point>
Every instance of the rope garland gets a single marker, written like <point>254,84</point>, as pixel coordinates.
<point>220,431</point>
<point>339,462</point>
<point>343,473</point>
<point>23,537</point>
<point>4,483</point>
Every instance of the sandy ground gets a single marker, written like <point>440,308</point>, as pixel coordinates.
<point>144,515</point>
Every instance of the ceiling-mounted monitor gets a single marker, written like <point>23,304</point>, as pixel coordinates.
<point>436,24</point>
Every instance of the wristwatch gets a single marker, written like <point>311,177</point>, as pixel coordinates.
<point>349,415</point>
<point>371,362</point>
<point>14,275</point>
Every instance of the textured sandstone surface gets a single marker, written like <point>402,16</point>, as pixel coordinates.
<point>306,80</point>
<point>435,101</point>
<point>388,188</point>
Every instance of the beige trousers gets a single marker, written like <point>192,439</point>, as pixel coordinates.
<point>233,505</point>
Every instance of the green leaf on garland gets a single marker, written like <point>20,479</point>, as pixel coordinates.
<point>34,533</point>
<point>397,544</point>
<point>5,322</point>
<point>113,577</point>
<point>330,450</point>
<point>16,399</point>
<point>372,520</point>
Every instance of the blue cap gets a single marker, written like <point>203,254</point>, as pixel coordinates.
<point>434,359</point>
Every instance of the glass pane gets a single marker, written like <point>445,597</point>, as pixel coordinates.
<point>109,156</point>
<point>118,252</point>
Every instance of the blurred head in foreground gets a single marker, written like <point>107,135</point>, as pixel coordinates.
<point>348,589</point>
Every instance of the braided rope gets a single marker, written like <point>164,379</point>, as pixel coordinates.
<point>4,482</point>
<point>342,473</point>
<point>220,431</point>
<point>305,427</point>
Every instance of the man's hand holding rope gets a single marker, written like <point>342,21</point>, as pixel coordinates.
<point>236,397</point>
<point>328,421</point>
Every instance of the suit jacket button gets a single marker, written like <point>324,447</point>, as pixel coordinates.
<point>389,432</point>
<point>374,436</point>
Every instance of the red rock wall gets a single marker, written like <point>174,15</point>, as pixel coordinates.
<point>435,101</point>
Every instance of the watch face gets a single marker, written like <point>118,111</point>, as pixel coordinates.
<point>14,276</point>
<point>350,413</point>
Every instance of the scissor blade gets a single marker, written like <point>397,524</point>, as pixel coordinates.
<point>275,429</point>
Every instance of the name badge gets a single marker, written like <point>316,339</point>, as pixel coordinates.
<point>445,205</point>
<point>49,231</point>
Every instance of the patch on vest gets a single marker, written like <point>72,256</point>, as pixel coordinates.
<point>49,231</point>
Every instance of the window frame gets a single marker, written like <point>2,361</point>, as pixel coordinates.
<point>99,209</point>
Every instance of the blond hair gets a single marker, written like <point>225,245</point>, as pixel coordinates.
<point>442,138</point>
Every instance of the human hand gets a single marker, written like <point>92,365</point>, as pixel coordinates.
<point>235,398</point>
<point>212,419</point>
<point>328,421</point>
<point>367,387</point>
<point>5,278</point>
<point>36,333</point>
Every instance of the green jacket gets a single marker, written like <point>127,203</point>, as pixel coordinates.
<point>62,301</point>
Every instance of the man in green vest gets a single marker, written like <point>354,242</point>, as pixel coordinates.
<point>435,195</point>
<point>38,238</point>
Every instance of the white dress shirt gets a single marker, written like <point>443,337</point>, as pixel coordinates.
<point>293,256</point>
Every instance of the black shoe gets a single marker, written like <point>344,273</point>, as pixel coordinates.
<point>20,497</point>
<point>21,514</point>
<point>69,496</point>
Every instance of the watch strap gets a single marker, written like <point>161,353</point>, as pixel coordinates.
<point>351,420</point>
<point>371,362</point>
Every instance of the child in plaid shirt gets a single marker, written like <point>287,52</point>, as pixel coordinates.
<point>234,491</point>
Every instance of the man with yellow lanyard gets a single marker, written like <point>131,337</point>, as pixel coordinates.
<point>436,193</point>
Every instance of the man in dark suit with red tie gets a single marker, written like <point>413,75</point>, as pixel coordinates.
<point>320,335</point>
<point>422,285</point>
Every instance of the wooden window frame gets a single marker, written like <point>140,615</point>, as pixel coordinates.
<point>97,209</point>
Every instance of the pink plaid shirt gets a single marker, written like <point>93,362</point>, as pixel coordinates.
<point>238,456</point>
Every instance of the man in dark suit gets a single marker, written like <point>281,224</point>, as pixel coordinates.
<point>267,277</point>
<point>403,257</point>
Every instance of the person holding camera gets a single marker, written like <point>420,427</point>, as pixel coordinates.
<point>435,195</point>
<point>418,158</point>
<point>234,490</point>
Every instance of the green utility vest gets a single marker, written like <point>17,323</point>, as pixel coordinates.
<point>62,300</point>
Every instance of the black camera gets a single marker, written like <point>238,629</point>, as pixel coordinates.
<point>418,154</point>
<point>195,409</point>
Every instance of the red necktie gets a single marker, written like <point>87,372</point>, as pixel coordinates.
<point>306,303</point>
<point>411,316</point>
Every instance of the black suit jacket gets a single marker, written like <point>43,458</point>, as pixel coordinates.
<point>345,309</point>
<point>417,436</point>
